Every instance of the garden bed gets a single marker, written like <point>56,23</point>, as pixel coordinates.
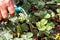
<point>34,20</point>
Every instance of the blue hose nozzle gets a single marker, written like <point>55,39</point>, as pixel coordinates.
<point>17,9</point>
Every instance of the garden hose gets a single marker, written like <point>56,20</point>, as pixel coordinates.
<point>17,9</point>
<point>26,16</point>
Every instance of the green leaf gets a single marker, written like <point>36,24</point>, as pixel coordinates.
<point>41,33</point>
<point>5,35</point>
<point>13,19</point>
<point>22,17</point>
<point>51,2</point>
<point>8,35</point>
<point>18,39</point>
<point>58,10</point>
<point>33,1</point>
<point>52,14</point>
<point>47,16</point>
<point>24,27</point>
<point>32,19</point>
<point>29,35</point>
<point>42,13</point>
<point>41,4</point>
<point>38,24</point>
<point>45,38</point>
<point>50,25</point>
<point>24,36</point>
<point>30,39</point>
<point>1,38</point>
<point>42,28</point>
<point>37,14</point>
<point>18,29</point>
<point>41,25</point>
<point>48,28</point>
<point>43,22</point>
<point>35,32</point>
<point>58,1</point>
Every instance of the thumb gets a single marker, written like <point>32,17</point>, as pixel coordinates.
<point>13,3</point>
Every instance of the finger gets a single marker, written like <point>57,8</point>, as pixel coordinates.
<point>2,5</point>
<point>0,16</point>
<point>10,7</point>
<point>11,10</point>
<point>0,11</point>
<point>13,3</point>
<point>4,13</point>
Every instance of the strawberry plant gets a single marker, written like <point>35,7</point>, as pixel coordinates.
<point>34,20</point>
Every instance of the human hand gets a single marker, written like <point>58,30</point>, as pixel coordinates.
<point>4,6</point>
